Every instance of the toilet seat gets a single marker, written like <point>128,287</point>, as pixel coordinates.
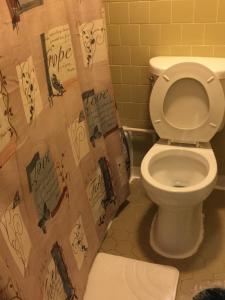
<point>189,118</point>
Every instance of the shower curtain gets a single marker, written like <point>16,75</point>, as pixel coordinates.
<point>63,162</point>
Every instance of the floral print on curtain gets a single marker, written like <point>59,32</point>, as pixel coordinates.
<point>63,164</point>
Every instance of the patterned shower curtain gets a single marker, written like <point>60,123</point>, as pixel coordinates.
<point>63,163</point>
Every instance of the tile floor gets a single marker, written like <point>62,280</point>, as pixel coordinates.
<point>129,234</point>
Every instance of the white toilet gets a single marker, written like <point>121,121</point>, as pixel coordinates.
<point>179,172</point>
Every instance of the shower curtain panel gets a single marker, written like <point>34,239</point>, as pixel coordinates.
<point>63,163</point>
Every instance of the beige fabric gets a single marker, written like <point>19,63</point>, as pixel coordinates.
<point>63,170</point>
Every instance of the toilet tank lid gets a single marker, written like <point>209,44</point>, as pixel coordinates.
<point>160,63</point>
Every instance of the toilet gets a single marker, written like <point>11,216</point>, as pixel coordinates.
<point>179,172</point>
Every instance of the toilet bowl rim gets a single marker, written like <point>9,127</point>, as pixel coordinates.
<point>205,153</point>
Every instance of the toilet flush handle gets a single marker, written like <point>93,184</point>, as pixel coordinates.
<point>210,79</point>
<point>213,125</point>
<point>166,77</point>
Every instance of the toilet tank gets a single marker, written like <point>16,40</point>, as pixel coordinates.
<point>160,64</point>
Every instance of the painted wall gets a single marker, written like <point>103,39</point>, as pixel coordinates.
<point>138,30</point>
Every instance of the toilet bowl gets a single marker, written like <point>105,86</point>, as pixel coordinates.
<point>178,179</point>
<point>179,172</point>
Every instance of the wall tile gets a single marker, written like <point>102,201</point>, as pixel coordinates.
<point>135,75</point>
<point>106,7</point>
<point>215,34</point>
<point>202,51</point>
<point>144,79</point>
<point>206,10</point>
<point>137,111</point>
<point>159,50</point>
<point>130,34</point>
<point>131,74</point>
<point>136,123</point>
<point>117,0</point>
<point>113,32</point>
<point>143,111</point>
<point>219,51</point>
<point>120,55</point>
<point>182,11</point>
<point>171,34</point>
<point>221,11</point>
<point>139,12</point>
<point>118,13</point>
<point>140,93</point>
<point>193,34</point>
<point>121,109</point>
<point>150,34</point>
<point>110,54</point>
<point>181,50</point>
<point>121,92</point>
<point>116,74</point>
<point>140,56</point>
<point>160,11</point>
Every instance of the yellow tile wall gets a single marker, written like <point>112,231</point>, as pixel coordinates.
<point>138,30</point>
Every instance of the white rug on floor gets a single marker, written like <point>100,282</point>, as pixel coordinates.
<point>119,278</point>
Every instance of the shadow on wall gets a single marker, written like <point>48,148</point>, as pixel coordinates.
<point>218,145</point>
<point>142,142</point>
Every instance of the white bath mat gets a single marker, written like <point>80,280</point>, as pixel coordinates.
<point>115,277</point>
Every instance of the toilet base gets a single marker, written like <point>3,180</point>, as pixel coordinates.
<point>190,250</point>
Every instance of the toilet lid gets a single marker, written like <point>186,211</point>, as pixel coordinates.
<point>187,103</point>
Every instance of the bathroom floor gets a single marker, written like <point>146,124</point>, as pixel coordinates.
<point>129,236</point>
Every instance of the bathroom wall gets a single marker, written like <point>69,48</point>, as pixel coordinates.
<point>138,30</point>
